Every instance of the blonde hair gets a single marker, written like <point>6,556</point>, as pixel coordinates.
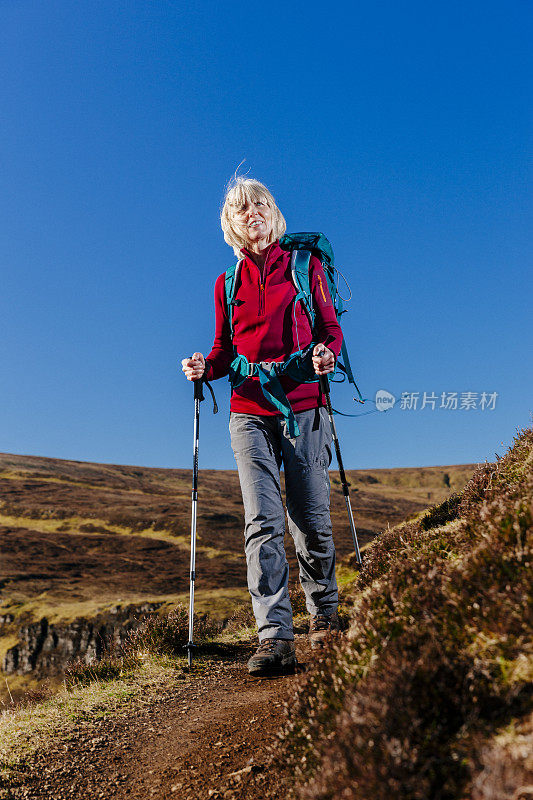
<point>239,192</point>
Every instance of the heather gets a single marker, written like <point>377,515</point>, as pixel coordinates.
<point>437,662</point>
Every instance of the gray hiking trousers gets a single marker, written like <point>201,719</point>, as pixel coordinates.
<point>260,445</point>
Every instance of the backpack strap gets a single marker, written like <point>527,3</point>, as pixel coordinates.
<point>346,367</point>
<point>300,276</point>
<point>300,260</point>
<point>231,282</point>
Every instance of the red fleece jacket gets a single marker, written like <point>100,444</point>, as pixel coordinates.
<point>268,327</point>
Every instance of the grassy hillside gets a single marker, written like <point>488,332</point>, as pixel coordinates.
<point>81,539</point>
<point>429,694</point>
<point>426,697</point>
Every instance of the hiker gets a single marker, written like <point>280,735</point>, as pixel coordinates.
<point>267,325</point>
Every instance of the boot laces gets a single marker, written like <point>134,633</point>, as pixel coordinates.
<point>321,623</point>
<point>267,646</point>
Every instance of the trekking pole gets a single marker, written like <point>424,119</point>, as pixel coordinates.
<point>198,397</point>
<point>324,386</point>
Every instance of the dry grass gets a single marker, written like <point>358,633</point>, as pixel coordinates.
<point>27,727</point>
<point>158,634</point>
<point>152,658</point>
<point>505,770</point>
<point>84,525</point>
<point>218,603</point>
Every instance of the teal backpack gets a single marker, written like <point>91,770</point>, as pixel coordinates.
<point>299,364</point>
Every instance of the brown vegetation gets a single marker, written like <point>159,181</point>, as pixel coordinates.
<point>438,657</point>
<point>81,539</point>
<point>428,696</point>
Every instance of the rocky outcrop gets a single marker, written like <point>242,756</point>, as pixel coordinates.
<point>45,649</point>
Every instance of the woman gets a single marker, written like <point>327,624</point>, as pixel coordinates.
<point>267,326</point>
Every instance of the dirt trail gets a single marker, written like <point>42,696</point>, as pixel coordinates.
<point>207,736</point>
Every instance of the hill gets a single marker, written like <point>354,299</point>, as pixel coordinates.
<point>427,696</point>
<point>430,693</point>
<point>87,548</point>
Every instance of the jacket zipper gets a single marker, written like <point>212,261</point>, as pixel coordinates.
<point>262,282</point>
<point>321,288</point>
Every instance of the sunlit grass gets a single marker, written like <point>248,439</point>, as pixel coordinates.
<point>71,526</point>
<point>219,603</point>
<point>25,729</point>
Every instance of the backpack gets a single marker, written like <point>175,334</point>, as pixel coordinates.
<point>301,246</point>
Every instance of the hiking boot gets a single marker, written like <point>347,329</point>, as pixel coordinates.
<point>272,657</point>
<point>322,627</point>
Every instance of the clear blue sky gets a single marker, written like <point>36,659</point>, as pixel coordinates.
<point>401,130</point>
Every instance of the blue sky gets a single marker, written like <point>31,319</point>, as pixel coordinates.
<point>402,131</point>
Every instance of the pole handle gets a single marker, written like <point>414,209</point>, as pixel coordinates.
<point>198,390</point>
<point>323,379</point>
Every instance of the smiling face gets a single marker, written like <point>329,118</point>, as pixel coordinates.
<point>254,223</point>
<point>250,217</point>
